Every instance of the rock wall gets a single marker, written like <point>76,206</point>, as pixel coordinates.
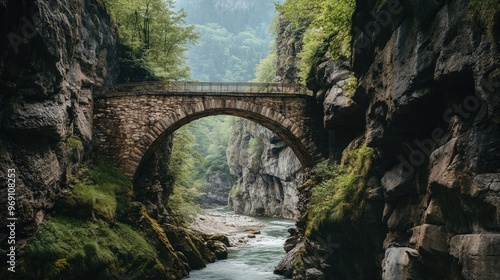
<point>267,172</point>
<point>51,56</point>
<point>55,55</point>
<point>216,190</point>
<point>427,102</point>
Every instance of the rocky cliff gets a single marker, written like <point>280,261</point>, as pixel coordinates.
<point>51,57</point>
<point>427,103</point>
<point>267,172</point>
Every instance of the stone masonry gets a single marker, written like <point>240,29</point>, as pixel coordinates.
<point>128,126</point>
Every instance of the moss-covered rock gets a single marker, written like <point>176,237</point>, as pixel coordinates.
<point>191,245</point>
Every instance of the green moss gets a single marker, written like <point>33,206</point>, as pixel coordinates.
<point>73,142</point>
<point>483,12</point>
<point>105,190</point>
<point>324,25</point>
<point>341,194</point>
<point>157,229</point>
<point>256,149</point>
<point>66,248</point>
<point>236,192</point>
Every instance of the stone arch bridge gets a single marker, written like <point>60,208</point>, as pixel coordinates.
<point>131,120</point>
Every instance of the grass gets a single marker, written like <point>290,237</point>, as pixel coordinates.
<point>67,248</point>
<point>100,246</point>
<point>105,189</point>
<point>342,192</point>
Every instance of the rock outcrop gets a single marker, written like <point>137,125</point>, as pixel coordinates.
<point>267,172</point>
<point>427,102</point>
<point>52,56</point>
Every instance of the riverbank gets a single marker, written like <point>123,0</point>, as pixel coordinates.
<point>220,221</point>
<point>250,258</point>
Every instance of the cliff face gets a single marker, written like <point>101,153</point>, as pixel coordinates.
<point>216,190</point>
<point>54,54</point>
<point>427,102</point>
<point>267,172</point>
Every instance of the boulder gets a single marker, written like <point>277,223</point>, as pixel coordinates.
<point>218,248</point>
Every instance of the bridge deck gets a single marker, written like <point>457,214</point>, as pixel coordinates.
<point>178,87</point>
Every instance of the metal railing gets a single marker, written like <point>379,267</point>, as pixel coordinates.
<point>202,88</point>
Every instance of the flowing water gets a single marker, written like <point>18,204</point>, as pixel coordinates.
<point>255,261</point>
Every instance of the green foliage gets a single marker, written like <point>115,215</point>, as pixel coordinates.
<point>351,86</point>
<point>182,167</point>
<point>153,29</point>
<point>256,146</point>
<point>233,38</point>
<point>326,26</point>
<point>341,194</point>
<point>211,138</point>
<point>73,142</point>
<point>266,69</point>
<point>105,190</point>
<point>66,248</point>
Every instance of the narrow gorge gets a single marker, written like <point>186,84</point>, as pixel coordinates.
<point>389,165</point>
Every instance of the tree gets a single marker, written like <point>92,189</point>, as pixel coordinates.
<point>153,28</point>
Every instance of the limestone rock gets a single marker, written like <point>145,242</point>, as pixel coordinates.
<point>267,178</point>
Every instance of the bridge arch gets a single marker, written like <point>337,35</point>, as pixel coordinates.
<point>129,127</point>
<point>283,127</point>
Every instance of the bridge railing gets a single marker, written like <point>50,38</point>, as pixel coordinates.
<point>202,87</point>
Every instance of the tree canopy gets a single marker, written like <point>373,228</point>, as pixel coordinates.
<point>157,31</point>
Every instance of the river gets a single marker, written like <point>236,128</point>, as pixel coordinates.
<point>255,261</point>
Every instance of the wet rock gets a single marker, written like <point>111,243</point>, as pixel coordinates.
<point>218,248</point>
<point>314,274</point>
<point>253,230</point>
<point>220,237</point>
<point>397,182</point>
